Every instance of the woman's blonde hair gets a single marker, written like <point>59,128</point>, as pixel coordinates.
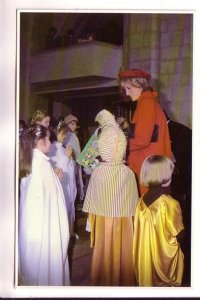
<point>38,116</point>
<point>156,170</point>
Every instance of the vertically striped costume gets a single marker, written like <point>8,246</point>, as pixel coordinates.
<point>110,201</point>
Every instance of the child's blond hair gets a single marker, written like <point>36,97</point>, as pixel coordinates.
<point>156,170</point>
<point>38,116</point>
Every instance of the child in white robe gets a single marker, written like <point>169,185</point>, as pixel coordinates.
<point>43,219</point>
<point>62,158</point>
<point>72,140</point>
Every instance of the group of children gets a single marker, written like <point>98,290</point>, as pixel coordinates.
<point>46,220</point>
<point>48,188</point>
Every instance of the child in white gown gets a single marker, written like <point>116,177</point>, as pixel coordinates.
<point>72,140</point>
<point>43,219</point>
<point>62,158</point>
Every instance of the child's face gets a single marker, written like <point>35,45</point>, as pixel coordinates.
<point>45,122</point>
<point>61,137</point>
<point>44,144</point>
<point>72,126</point>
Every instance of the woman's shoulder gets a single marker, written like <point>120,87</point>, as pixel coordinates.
<point>148,96</point>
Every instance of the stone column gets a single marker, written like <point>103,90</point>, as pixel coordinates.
<point>141,42</point>
<point>162,45</point>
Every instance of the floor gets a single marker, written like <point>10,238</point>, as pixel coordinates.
<point>80,253</point>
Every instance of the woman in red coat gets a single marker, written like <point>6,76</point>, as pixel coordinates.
<point>149,129</point>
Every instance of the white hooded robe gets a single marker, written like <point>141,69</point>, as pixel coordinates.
<point>43,227</point>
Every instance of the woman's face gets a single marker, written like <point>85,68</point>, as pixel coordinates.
<point>132,91</point>
<point>45,122</point>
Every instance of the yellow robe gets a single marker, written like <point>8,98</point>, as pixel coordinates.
<point>157,256</point>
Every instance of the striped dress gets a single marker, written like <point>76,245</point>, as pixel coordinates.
<point>112,190</point>
<point>110,200</point>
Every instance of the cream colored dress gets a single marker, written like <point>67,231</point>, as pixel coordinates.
<point>112,190</point>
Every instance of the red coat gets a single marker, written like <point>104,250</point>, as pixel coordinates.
<point>148,114</point>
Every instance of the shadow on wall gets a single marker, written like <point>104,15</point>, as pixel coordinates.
<point>177,107</point>
<point>165,102</point>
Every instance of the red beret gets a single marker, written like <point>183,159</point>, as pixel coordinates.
<point>135,73</point>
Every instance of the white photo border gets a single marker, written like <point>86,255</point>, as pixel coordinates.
<point>9,113</point>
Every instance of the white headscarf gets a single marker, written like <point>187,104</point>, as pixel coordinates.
<point>104,117</point>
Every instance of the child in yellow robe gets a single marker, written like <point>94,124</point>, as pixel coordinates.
<point>158,226</point>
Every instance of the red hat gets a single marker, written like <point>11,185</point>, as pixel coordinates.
<point>135,73</point>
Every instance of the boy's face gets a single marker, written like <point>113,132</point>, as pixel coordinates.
<point>72,126</point>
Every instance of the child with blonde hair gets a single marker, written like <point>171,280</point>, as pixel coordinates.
<point>157,255</point>
<point>41,117</point>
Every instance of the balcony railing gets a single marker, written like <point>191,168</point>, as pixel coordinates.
<point>85,65</point>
